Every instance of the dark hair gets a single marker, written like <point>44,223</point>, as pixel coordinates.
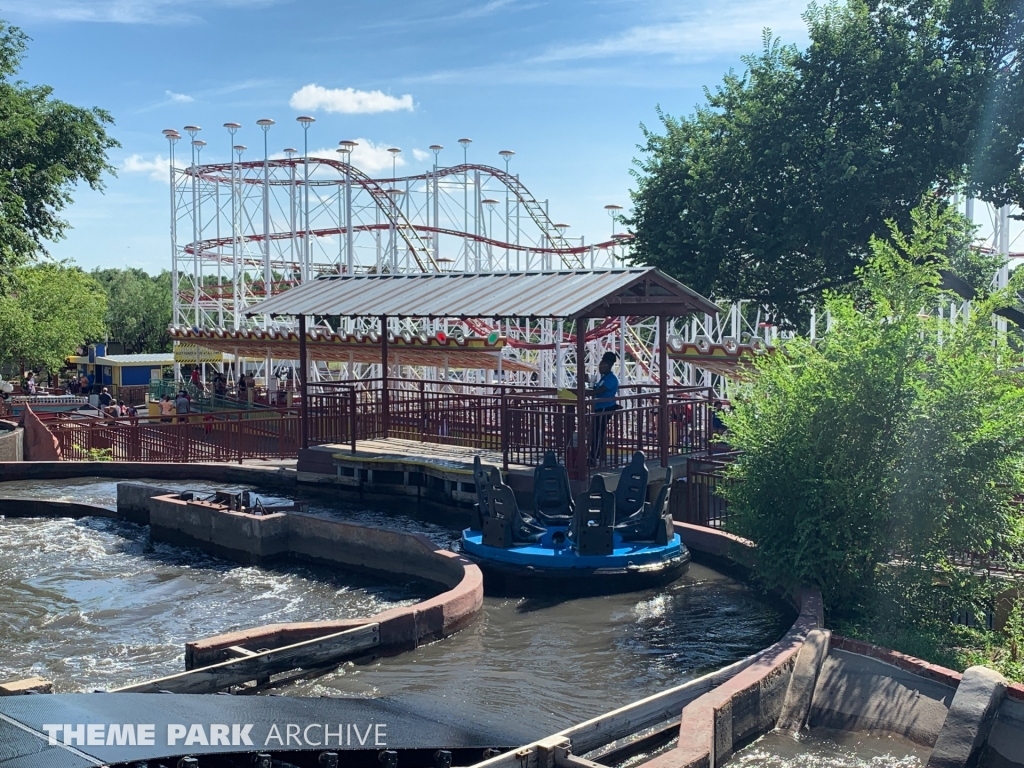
<point>609,357</point>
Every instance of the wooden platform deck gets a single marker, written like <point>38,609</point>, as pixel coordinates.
<point>452,457</point>
<point>432,471</point>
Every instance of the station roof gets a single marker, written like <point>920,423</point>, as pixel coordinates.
<point>128,360</point>
<point>644,291</point>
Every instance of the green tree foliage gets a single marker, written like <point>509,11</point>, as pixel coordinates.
<point>50,310</point>
<point>138,308</point>
<point>874,458</point>
<point>773,188</point>
<point>46,147</point>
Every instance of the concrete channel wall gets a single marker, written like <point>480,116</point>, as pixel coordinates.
<point>12,441</point>
<point>904,689</point>
<point>266,477</point>
<point>254,539</point>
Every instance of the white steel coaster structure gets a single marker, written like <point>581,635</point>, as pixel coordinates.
<point>245,229</point>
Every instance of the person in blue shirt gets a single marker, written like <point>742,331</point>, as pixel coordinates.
<point>605,404</point>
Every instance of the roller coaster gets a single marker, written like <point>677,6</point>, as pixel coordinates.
<point>246,229</point>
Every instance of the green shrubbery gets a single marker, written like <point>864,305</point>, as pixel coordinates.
<point>875,459</point>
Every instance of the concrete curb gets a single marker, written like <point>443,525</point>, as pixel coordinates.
<point>11,506</point>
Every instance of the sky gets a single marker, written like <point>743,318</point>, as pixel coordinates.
<point>566,84</point>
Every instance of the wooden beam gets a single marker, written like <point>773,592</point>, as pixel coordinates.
<point>260,666</point>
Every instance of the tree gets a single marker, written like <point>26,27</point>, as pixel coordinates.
<point>46,147</point>
<point>873,459</point>
<point>772,190</point>
<point>138,308</point>
<point>50,311</point>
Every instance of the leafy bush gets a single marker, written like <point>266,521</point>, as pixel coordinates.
<point>875,460</point>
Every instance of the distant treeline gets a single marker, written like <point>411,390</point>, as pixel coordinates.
<point>138,308</point>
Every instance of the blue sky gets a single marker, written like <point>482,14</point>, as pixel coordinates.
<point>564,83</point>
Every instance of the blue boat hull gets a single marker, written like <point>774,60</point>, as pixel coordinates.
<point>552,566</point>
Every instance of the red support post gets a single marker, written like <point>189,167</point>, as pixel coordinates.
<point>352,419</point>
<point>582,444</point>
<point>663,390</point>
<point>303,385</point>
<point>503,430</point>
<point>385,395</point>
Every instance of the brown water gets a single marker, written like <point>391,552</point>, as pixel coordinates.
<point>821,748</point>
<point>551,662</point>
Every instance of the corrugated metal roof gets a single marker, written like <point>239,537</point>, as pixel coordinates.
<point>155,359</point>
<point>165,358</point>
<point>504,294</point>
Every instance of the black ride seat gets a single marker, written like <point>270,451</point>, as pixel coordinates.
<point>552,499</point>
<point>631,491</point>
<point>653,522</point>
<point>506,525</point>
<point>593,520</point>
<point>482,481</point>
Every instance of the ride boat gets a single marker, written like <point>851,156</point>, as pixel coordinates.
<point>597,542</point>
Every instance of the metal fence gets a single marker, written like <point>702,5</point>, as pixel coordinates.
<point>222,437</point>
<point>522,423</point>
<point>704,505</point>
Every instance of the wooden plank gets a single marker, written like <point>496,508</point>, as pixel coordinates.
<point>647,740</point>
<point>569,760</point>
<point>619,723</point>
<point>627,720</point>
<point>240,652</point>
<point>312,653</point>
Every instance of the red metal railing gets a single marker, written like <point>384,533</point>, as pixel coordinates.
<point>703,505</point>
<point>520,422</point>
<point>228,436</point>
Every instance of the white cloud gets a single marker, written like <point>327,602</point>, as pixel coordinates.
<point>348,100</point>
<point>369,157</point>
<point>420,155</point>
<point>373,158</point>
<point>483,9</point>
<point>728,27</point>
<point>178,98</point>
<point>120,11</point>
<point>670,32</point>
<point>159,168</point>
